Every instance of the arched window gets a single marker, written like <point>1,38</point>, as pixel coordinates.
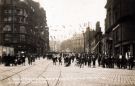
<point>7,28</point>
<point>22,29</point>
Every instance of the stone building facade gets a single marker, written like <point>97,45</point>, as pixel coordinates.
<point>120,27</point>
<point>19,31</point>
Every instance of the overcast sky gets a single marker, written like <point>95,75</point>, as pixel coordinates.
<point>64,17</point>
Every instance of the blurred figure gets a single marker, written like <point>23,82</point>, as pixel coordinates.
<point>54,58</point>
<point>0,59</point>
<point>94,60</point>
<point>89,61</point>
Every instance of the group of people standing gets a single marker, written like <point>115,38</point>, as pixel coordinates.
<point>94,60</point>
<point>14,60</point>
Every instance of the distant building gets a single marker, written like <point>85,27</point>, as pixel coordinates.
<point>74,44</point>
<point>120,27</point>
<point>89,38</point>
<point>78,43</point>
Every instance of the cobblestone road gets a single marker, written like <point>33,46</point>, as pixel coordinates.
<point>59,75</point>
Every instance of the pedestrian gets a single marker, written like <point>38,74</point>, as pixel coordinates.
<point>60,60</point>
<point>54,58</point>
<point>89,61</point>
<point>99,60</point>
<point>131,62</point>
<point>94,60</point>
<point>0,60</point>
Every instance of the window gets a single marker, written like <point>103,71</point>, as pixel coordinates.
<point>42,32</point>
<point>9,19</point>
<point>0,1</point>
<point>8,1</point>
<point>15,38</point>
<point>20,20</point>
<point>25,13</point>
<point>7,37</point>
<point>7,28</point>
<point>20,12</point>
<point>22,29</point>
<point>7,11</point>
<point>15,19</point>
<point>22,37</point>
<point>14,2</point>
<point>5,19</point>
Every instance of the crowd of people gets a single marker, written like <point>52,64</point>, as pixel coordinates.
<point>14,60</point>
<point>79,59</point>
<point>93,60</point>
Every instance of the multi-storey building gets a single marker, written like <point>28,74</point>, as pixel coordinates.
<point>89,37</point>
<point>18,29</point>
<point>120,27</point>
<point>98,38</point>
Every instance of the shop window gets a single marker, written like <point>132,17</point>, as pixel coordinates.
<point>7,28</point>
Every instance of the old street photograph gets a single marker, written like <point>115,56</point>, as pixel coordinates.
<point>67,42</point>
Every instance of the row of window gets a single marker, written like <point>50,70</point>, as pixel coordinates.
<point>8,28</point>
<point>15,19</point>
<point>8,1</point>
<point>18,12</point>
<point>14,39</point>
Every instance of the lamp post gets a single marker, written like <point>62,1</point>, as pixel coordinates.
<point>84,40</point>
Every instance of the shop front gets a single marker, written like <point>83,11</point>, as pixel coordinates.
<point>6,50</point>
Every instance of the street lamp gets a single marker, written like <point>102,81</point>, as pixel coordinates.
<point>84,40</point>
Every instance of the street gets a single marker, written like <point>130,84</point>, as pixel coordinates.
<point>44,73</point>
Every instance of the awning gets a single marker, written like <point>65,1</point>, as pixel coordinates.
<point>95,47</point>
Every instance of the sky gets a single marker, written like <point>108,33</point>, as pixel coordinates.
<point>67,17</point>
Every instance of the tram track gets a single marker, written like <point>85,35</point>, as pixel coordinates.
<point>3,71</point>
<point>40,75</point>
<point>56,83</point>
<point>9,76</point>
<point>58,80</point>
<point>19,79</point>
<point>18,74</point>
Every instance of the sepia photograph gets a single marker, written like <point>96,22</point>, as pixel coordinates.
<point>67,42</point>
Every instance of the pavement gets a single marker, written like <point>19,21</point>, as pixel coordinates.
<point>44,73</point>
